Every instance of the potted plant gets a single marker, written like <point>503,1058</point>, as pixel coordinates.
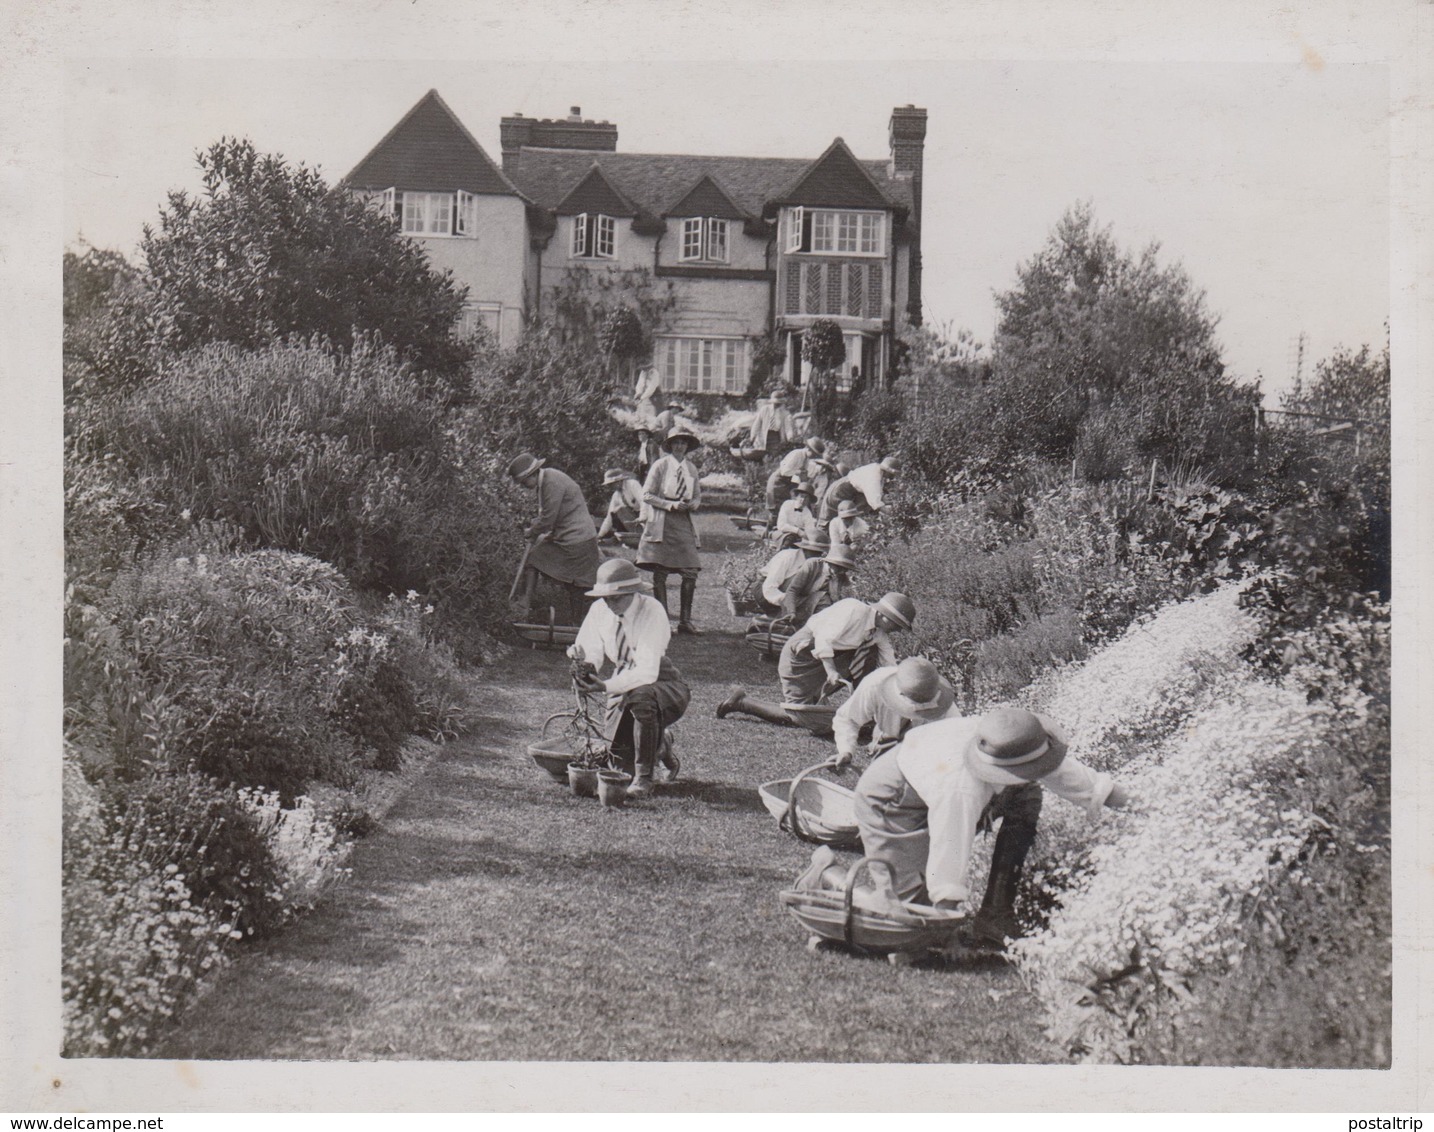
<point>612,787</point>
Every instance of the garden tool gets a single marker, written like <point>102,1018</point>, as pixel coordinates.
<point>522,570</point>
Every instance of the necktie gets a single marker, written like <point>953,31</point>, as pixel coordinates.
<point>621,647</point>
<point>681,482</point>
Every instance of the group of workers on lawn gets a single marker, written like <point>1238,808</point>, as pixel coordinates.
<point>935,777</point>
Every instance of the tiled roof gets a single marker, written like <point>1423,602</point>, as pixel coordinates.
<point>595,193</point>
<point>655,182</point>
<point>706,198</point>
<point>836,180</point>
<point>430,149</point>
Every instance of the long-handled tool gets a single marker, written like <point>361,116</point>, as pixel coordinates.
<point>522,569</point>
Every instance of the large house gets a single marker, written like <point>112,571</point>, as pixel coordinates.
<point>746,246</point>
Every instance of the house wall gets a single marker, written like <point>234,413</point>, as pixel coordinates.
<point>491,264</point>
<point>746,253</point>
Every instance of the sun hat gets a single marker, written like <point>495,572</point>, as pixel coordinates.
<point>617,576</point>
<point>849,509</point>
<point>1014,746</point>
<point>523,465</point>
<point>899,608</point>
<point>840,555</point>
<point>680,434</point>
<point>816,444</point>
<point>804,487</point>
<point>891,463</point>
<point>917,691</point>
<point>815,539</point>
<point>616,475</point>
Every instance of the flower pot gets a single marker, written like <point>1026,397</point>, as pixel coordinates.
<point>583,781</point>
<point>612,787</point>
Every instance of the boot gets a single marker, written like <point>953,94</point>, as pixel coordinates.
<point>659,587</point>
<point>684,622</point>
<point>732,703</point>
<point>645,738</point>
<point>996,921</point>
<point>761,709</point>
<point>667,756</point>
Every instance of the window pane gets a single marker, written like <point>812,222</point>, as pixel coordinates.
<point>871,232</point>
<point>580,224</point>
<point>607,230</point>
<point>846,236</point>
<point>440,211</point>
<point>717,240</point>
<point>692,239</point>
<point>413,212</point>
<point>823,235</point>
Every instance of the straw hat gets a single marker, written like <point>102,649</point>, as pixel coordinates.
<point>524,465</point>
<point>1013,746</point>
<point>899,608</point>
<point>849,509</point>
<point>616,475</point>
<point>617,576</point>
<point>681,434</point>
<point>840,556</point>
<point>917,691</point>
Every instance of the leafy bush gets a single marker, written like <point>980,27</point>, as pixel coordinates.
<point>335,456</point>
<point>548,399</point>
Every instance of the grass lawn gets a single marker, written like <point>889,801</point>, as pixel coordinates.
<point>495,916</point>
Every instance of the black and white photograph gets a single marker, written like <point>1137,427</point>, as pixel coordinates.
<point>616,577</point>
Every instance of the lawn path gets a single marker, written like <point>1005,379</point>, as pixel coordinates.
<point>495,916</point>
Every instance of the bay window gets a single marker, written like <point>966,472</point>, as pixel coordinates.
<point>702,365</point>
<point>824,231</point>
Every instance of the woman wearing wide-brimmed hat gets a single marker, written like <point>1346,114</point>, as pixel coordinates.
<point>563,540</point>
<point>624,507</point>
<point>835,649</point>
<point>819,583</point>
<point>891,701</point>
<point>799,464</point>
<point>795,515</point>
<point>848,528</point>
<point>920,805</point>
<point>646,693</point>
<point>669,537</point>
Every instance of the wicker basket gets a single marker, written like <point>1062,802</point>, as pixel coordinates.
<point>768,636</point>
<point>833,916</point>
<point>813,809</point>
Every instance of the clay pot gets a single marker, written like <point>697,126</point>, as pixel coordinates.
<point>583,780</point>
<point>612,787</point>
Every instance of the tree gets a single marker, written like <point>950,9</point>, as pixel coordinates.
<point>1100,342</point>
<point>824,350</point>
<point>270,251</point>
<point>1350,384</point>
<point>623,340</point>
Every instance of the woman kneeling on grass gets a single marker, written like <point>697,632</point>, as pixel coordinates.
<point>645,693</point>
<point>920,806</point>
<point>835,649</point>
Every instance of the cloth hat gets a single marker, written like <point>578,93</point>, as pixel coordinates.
<point>848,509</point>
<point>815,539</point>
<point>680,434</point>
<point>891,463</point>
<point>524,464</point>
<point>917,691</point>
<point>816,444</point>
<point>804,487</point>
<point>779,396</point>
<point>1013,746</point>
<point>617,576</point>
<point>840,555</point>
<point>616,475</point>
<point>899,608</point>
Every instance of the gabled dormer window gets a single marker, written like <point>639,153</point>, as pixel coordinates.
<point>824,231</point>
<point>704,238</point>
<point>594,236</point>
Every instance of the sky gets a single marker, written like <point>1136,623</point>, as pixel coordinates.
<point>1268,181</point>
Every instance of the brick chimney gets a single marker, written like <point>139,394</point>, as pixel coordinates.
<point>907,133</point>
<point>572,132</point>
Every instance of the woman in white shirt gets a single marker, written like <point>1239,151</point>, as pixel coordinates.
<point>795,515</point>
<point>836,648</point>
<point>920,806</point>
<point>646,693</point>
<point>848,528</point>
